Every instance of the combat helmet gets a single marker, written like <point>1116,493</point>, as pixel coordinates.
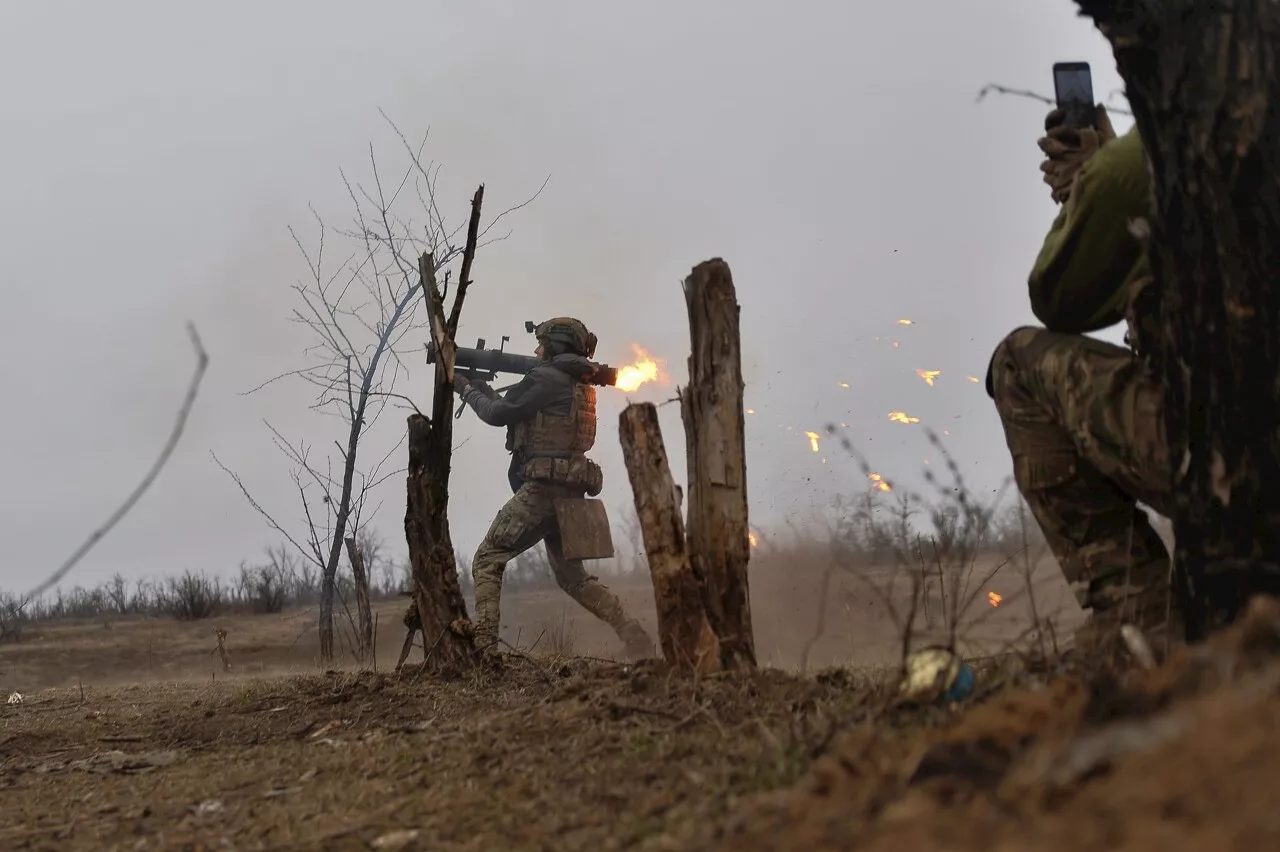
<point>570,333</point>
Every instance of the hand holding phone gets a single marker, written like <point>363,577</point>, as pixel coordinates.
<point>1073,88</point>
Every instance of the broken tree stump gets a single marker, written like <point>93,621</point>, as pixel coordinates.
<point>441,609</point>
<point>448,636</point>
<point>683,629</point>
<point>364,614</point>
<point>711,406</point>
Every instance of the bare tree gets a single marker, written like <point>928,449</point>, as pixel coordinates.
<point>359,304</point>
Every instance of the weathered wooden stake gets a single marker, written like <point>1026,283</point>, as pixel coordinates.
<point>364,614</point>
<point>711,406</point>
<point>683,629</point>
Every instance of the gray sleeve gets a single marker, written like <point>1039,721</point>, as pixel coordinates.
<point>522,402</point>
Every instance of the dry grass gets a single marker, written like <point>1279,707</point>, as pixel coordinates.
<point>132,734</point>
<point>559,637</point>
<point>579,754</point>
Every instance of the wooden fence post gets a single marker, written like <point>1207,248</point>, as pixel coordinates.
<point>683,629</point>
<point>711,406</point>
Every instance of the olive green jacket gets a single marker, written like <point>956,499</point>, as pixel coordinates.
<point>1091,263</point>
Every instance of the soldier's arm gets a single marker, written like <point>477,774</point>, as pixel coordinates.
<point>1079,282</point>
<point>521,403</point>
<point>484,388</point>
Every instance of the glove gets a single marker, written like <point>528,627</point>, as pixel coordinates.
<point>1067,148</point>
<point>461,385</point>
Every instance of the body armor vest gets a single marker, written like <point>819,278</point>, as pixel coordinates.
<point>554,447</point>
<point>559,437</point>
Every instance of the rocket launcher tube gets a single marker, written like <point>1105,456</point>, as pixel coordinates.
<point>483,365</point>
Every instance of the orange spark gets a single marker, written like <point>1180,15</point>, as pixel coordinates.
<point>813,440</point>
<point>751,411</point>
<point>895,344</point>
<point>843,384</point>
<point>752,538</point>
<point>906,322</point>
<point>877,481</point>
<point>973,379</point>
<point>643,370</point>
<point>928,376</point>
<point>902,417</point>
<point>994,598</point>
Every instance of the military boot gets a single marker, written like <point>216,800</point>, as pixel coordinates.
<point>636,641</point>
<point>1145,602</point>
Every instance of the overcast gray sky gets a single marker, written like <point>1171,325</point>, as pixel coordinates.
<point>155,154</point>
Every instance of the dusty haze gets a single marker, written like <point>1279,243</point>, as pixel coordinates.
<point>831,152</point>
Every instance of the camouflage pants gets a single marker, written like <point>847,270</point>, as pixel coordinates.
<point>1085,426</point>
<point>527,518</point>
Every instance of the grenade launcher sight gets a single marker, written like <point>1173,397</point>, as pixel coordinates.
<point>483,365</point>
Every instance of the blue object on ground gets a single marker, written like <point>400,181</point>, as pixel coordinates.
<point>962,687</point>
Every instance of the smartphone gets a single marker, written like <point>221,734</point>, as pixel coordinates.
<point>1073,87</point>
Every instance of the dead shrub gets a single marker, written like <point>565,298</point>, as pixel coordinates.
<point>193,596</point>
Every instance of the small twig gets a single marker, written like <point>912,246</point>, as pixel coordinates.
<point>530,660</point>
<point>412,404</point>
<point>619,707</point>
<point>1035,96</point>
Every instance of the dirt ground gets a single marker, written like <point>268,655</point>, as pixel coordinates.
<point>132,736</point>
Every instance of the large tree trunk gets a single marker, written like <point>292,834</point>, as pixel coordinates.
<point>364,613</point>
<point>683,629</point>
<point>711,405</point>
<point>1202,81</point>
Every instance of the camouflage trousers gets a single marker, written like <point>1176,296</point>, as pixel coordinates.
<point>1085,426</point>
<point>527,518</point>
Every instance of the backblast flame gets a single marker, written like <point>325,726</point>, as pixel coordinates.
<point>640,372</point>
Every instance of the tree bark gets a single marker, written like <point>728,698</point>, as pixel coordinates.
<point>711,405</point>
<point>442,611</point>
<point>1202,81</point>
<point>364,614</point>
<point>684,632</point>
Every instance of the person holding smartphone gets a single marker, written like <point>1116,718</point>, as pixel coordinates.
<point>1083,418</point>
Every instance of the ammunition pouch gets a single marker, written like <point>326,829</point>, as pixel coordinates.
<point>576,472</point>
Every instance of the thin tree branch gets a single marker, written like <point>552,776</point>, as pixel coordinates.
<point>202,363</point>
<point>1036,96</point>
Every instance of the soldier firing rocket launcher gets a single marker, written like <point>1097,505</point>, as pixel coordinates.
<point>484,365</point>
